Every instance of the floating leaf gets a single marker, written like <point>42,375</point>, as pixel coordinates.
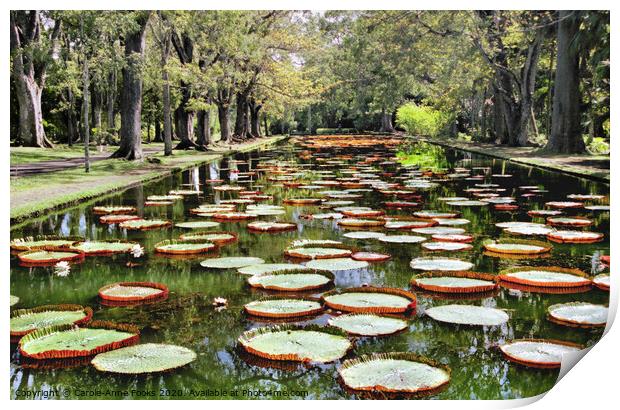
<point>298,243</point>
<point>394,373</point>
<point>368,325</point>
<point>455,282</point>
<point>106,210</point>
<point>115,219</point>
<point>283,307</point>
<point>545,277</point>
<point>353,222</point>
<point>439,230</point>
<point>92,248</point>
<point>144,358</point>
<point>336,264</point>
<point>517,247</point>
<point>440,264</point>
<point>197,225</point>
<point>467,203</point>
<point>42,257</point>
<point>67,341</point>
<point>317,253</point>
<point>370,300</point>
<point>144,224</point>
<point>435,214</point>
<point>370,256</point>
<point>574,221</point>
<point>446,246</point>
<point>575,237</point>
<point>309,344</point>
<point>268,268</point>
<point>133,291</point>
<point>602,281</point>
<point>364,235</point>
<point>231,262</point>
<point>538,353</point>
<point>402,239</point>
<point>579,314</point>
<point>291,280</point>
<point>468,315</point>
<point>24,321</point>
<point>187,247</point>
<point>44,242</point>
<point>271,226</point>
<point>219,238</point>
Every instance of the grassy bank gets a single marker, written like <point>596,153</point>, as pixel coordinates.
<point>36,195</point>
<point>594,167</point>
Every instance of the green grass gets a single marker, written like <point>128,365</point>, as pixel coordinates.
<point>25,155</point>
<point>34,195</point>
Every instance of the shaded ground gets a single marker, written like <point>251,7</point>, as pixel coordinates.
<point>588,166</point>
<point>33,195</point>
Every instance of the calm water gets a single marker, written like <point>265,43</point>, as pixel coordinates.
<point>188,319</point>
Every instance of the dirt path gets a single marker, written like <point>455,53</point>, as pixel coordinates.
<point>42,167</point>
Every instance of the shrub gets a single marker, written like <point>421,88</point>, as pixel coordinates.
<point>597,146</point>
<point>421,120</point>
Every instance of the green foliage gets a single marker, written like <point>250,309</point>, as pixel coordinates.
<point>597,146</point>
<point>421,120</point>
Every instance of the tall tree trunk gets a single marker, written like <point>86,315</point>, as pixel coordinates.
<point>166,95</point>
<point>254,117</point>
<point>29,75</point>
<point>71,117</point>
<point>223,113</point>
<point>111,96</point>
<point>131,93</point>
<point>184,120</point>
<point>265,125</point>
<point>386,122</point>
<point>566,120</point>
<point>97,108</point>
<point>203,139</point>
<point>158,134</point>
<point>86,121</point>
<point>241,118</point>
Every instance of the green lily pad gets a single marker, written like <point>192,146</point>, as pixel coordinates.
<point>174,247</point>
<point>164,197</point>
<point>439,230</point>
<point>518,248</point>
<point>314,242</point>
<point>434,214</point>
<point>545,277</point>
<point>336,264</point>
<point>402,239</point>
<point>602,281</point>
<point>24,321</point>
<point>55,342</point>
<point>140,224</point>
<point>454,282</point>
<point>133,291</point>
<point>395,373</point>
<point>370,300</point>
<point>309,344</point>
<point>107,210</point>
<point>48,257</point>
<point>446,246</point>
<point>44,242</point>
<point>368,325</point>
<point>318,253</point>
<point>219,238</point>
<point>468,315</point>
<point>579,314</point>
<point>197,225</point>
<point>105,247</point>
<point>283,307</point>
<point>538,353</point>
<point>467,203</point>
<point>144,358</point>
<point>231,262</point>
<point>440,264</point>
<point>364,235</point>
<point>289,280</point>
<point>268,268</point>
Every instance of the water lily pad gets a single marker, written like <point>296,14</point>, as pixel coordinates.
<point>544,212</point>
<point>435,214</point>
<point>370,256</point>
<point>564,204</point>
<point>468,315</point>
<point>364,235</point>
<point>144,358</point>
<point>368,325</point>
<point>105,247</point>
<point>180,247</point>
<point>133,291</point>
<point>440,264</point>
<point>452,238</point>
<point>452,221</point>
<point>354,222</point>
<point>297,243</point>
<point>218,238</point>
<point>446,246</point>
<point>545,277</point>
<point>317,253</point>
<point>546,354</point>
<point>271,226</point>
<point>516,247</point>
<point>44,242</point>
<point>405,224</point>
<point>67,341</point>
<point>265,211</point>
<point>291,280</point>
<point>231,262</point>
<point>283,307</point>
<point>268,268</point>
<point>564,221</point>
<point>402,239</point>
<point>336,264</point>
<point>602,208</point>
<point>24,321</point>
<point>370,300</point>
<point>394,373</point>
<point>580,314</point>
<point>116,219</point>
<point>575,236</point>
<point>455,282</point>
<point>529,230</point>
<point>233,216</point>
<point>197,225</point>
<point>164,198</point>
<point>467,203</point>
<point>602,281</point>
<point>107,210</point>
<point>439,230</point>
<point>300,344</point>
<point>144,224</point>
<point>42,257</point>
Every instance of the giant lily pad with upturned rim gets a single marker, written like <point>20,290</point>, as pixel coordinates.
<point>299,280</point>
<point>440,264</point>
<point>468,315</point>
<point>538,353</point>
<point>144,358</point>
<point>455,282</point>
<point>231,262</point>
<point>369,299</point>
<point>24,321</point>
<point>363,324</point>
<point>283,307</point>
<point>578,314</point>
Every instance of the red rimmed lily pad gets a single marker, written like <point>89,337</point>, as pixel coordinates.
<point>443,246</point>
<point>120,209</point>
<point>24,321</point>
<point>575,237</point>
<point>271,226</point>
<point>455,282</point>
<point>578,314</point>
<point>47,258</point>
<point>452,238</point>
<point>184,247</point>
<point>546,276</point>
<point>283,307</point>
<point>116,219</point>
<point>130,292</point>
<point>572,221</point>
<point>379,300</point>
<point>538,353</point>
<point>144,224</point>
<point>370,256</point>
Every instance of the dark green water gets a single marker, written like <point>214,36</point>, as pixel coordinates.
<point>188,319</point>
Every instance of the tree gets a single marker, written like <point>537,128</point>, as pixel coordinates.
<point>32,47</point>
<point>566,130</point>
<point>162,32</point>
<point>131,93</point>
